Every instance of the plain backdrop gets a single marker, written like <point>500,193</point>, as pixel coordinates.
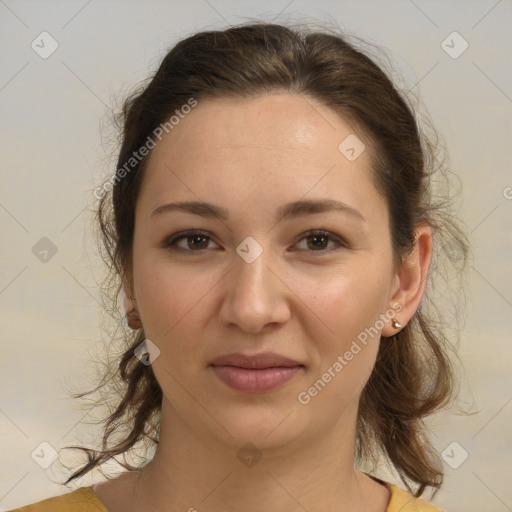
<point>55,148</point>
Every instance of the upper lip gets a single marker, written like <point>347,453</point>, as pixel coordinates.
<point>254,362</point>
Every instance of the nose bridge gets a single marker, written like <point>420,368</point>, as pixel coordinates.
<point>251,274</point>
<point>253,296</point>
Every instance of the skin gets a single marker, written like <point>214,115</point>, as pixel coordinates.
<point>251,156</point>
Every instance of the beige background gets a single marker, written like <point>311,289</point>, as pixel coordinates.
<point>53,155</point>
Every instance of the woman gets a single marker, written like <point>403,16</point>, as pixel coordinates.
<point>272,230</point>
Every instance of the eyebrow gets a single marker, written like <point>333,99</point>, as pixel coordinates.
<point>287,211</point>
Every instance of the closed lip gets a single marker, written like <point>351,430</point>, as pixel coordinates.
<point>255,362</point>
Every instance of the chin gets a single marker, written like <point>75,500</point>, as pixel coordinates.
<point>262,424</point>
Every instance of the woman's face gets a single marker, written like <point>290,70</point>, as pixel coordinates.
<point>309,283</point>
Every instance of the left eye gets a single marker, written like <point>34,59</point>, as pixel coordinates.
<point>318,241</point>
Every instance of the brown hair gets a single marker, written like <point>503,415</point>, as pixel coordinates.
<point>413,375</point>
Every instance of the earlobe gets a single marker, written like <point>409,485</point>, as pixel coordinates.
<point>412,278</point>
<point>132,315</point>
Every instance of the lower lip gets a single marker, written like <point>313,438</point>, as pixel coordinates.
<point>255,381</point>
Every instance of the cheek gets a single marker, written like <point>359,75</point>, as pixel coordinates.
<point>347,299</point>
<point>349,304</point>
<point>346,351</point>
<point>169,302</point>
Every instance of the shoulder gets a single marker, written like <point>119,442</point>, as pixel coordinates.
<point>85,500</point>
<point>80,500</point>
<point>402,501</point>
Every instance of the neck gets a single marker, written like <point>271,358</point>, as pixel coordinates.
<point>190,471</point>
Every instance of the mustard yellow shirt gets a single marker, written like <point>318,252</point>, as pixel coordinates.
<point>85,500</point>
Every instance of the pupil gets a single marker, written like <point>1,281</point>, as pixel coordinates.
<point>318,237</point>
<point>194,239</point>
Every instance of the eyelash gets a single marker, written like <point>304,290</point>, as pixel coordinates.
<point>170,243</point>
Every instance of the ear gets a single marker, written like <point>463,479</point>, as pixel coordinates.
<point>411,279</point>
<point>130,305</point>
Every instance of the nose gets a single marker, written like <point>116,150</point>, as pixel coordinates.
<point>254,295</point>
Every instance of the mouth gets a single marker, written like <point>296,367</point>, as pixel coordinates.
<point>255,374</point>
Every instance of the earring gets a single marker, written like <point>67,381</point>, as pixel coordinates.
<point>396,324</point>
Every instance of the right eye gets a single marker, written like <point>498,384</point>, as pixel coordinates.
<point>194,241</point>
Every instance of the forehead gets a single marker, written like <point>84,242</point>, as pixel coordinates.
<point>259,151</point>
<point>280,121</point>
